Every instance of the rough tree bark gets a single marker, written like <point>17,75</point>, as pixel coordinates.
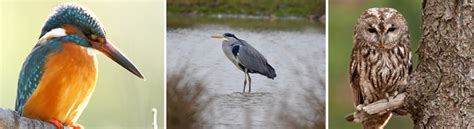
<point>440,92</point>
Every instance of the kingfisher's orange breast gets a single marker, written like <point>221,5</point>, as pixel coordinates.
<point>66,85</point>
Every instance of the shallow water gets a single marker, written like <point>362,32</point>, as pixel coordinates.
<point>298,57</point>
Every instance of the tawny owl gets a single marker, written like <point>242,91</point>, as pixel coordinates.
<point>380,60</point>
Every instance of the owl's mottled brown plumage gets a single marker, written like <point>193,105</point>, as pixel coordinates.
<point>380,60</point>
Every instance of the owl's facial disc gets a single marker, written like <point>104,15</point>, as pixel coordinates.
<point>382,35</point>
<point>372,33</point>
<point>391,36</point>
<point>381,28</point>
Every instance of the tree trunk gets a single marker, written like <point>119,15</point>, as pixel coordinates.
<point>440,92</point>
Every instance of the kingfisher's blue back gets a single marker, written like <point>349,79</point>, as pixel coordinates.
<point>33,68</point>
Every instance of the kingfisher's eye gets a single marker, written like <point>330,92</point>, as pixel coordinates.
<point>93,37</point>
<point>97,38</point>
<point>391,29</point>
<point>372,30</point>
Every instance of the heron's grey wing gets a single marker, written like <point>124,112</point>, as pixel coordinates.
<point>250,58</point>
<point>355,81</point>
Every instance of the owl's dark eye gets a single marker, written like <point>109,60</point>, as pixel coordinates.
<point>391,29</point>
<point>372,30</point>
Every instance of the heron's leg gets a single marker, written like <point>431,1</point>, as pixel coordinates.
<point>245,82</point>
<point>250,82</point>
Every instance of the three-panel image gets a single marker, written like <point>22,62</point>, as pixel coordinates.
<point>236,64</point>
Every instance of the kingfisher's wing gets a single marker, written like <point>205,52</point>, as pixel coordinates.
<point>30,75</point>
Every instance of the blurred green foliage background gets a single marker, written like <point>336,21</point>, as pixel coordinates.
<point>248,7</point>
<point>343,15</point>
<point>176,21</point>
<point>121,100</point>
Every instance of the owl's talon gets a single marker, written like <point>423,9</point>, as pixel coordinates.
<point>359,107</point>
<point>389,98</point>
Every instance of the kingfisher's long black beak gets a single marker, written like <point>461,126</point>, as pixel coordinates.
<point>108,49</point>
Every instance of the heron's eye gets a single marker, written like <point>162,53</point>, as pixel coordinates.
<point>372,30</point>
<point>391,29</point>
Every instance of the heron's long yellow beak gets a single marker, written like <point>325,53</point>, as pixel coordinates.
<point>217,37</point>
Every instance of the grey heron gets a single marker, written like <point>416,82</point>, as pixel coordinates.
<point>245,57</point>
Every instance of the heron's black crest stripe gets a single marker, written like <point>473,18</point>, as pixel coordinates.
<point>235,50</point>
<point>229,35</point>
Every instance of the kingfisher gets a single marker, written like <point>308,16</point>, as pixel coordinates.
<point>59,75</point>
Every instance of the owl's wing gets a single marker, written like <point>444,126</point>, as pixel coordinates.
<point>354,82</point>
<point>410,65</point>
<point>30,76</point>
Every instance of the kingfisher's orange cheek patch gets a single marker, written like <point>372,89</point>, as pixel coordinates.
<point>70,29</point>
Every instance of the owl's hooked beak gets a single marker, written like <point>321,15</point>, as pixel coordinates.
<point>381,42</point>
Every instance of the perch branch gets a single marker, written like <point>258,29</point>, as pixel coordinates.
<point>375,108</point>
<point>12,120</point>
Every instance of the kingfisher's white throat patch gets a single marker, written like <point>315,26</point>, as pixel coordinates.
<point>91,51</point>
<point>54,33</point>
